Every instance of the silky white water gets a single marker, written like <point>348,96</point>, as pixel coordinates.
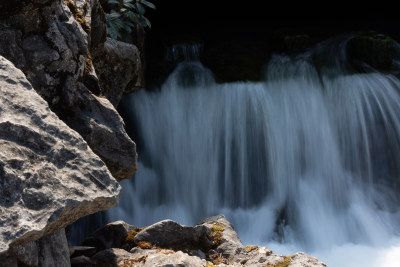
<point>307,160</point>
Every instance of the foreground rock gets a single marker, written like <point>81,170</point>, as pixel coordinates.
<point>49,177</point>
<point>213,242</point>
<point>50,250</point>
<point>51,41</point>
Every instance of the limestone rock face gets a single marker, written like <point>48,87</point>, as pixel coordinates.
<point>111,61</point>
<point>49,177</point>
<point>51,41</point>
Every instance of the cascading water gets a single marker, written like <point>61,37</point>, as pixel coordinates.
<point>306,161</point>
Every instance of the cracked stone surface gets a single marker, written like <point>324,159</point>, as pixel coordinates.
<point>44,39</point>
<point>49,176</point>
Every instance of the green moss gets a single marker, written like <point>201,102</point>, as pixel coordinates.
<point>130,239</point>
<point>216,233</point>
<point>209,264</point>
<point>217,227</point>
<point>217,238</point>
<point>284,263</point>
<point>78,15</point>
<point>145,245</point>
<point>250,248</point>
<point>131,236</point>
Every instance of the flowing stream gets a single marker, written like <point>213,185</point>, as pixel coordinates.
<point>306,160</point>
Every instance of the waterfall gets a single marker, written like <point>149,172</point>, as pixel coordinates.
<point>307,160</point>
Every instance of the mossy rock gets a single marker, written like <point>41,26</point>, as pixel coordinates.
<point>284,263</point>
<point>371,48</point>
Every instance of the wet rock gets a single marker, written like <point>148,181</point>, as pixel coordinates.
<point>49,177</point>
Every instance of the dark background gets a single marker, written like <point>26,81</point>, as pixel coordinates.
<point>260,17</point>
<point>229,29</point>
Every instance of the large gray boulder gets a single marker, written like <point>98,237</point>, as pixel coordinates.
<point>51,41</point>
<point>49,177</point>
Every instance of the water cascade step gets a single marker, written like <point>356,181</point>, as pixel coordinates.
<point>306,160</point>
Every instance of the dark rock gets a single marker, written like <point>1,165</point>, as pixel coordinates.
<point>103,129</point>
<point>110,257</point>
<point>48,251</point>
<point>170,234</point>
<point>27,254</point>
<point>76,251</point>
<point>54,250</point>
<point>371,49</point>
<point>117,234</point>
<point>81,261</point>
<point>111,61</point>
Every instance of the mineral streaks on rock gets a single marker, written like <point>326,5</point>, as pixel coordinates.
<point>49,177</point>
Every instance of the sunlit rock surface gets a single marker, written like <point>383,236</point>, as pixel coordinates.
<point>212,242</point>
<point>49,177</point>
<point>51,42</point>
